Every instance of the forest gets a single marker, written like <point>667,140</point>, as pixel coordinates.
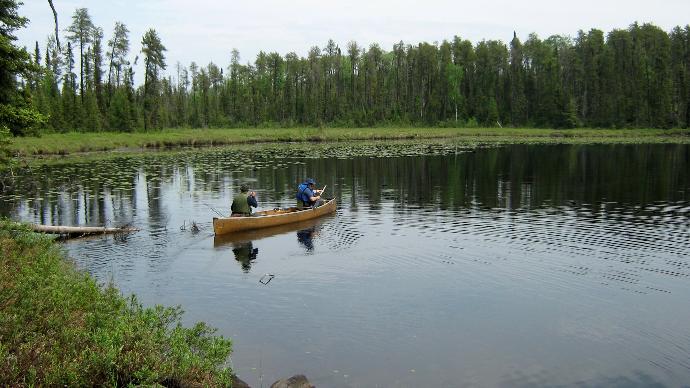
<point>638,77</point>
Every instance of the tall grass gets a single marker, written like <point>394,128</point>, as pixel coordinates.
<point>58,327</point>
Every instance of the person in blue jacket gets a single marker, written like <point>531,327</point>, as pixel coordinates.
<point>307,195</point>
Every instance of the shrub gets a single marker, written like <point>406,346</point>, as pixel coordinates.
<point>58,327</point>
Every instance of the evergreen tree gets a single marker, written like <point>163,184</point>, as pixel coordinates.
<point>81,31</point>
<point>70,109</point>
<point>50,87</point>
<point>634,77</point>
<point>154,62</point>
<point>118,48</point>
<point>17,113</point>
<point>590,51</point>
<point>518,100</point>
<point>97,58</point>
<point>680,78</point>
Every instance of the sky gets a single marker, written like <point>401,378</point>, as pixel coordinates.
<point>206,31</point>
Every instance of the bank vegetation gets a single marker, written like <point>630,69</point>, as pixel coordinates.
<point>58,327</point>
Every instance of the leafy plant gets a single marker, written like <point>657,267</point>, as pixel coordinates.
<point>58,327</point>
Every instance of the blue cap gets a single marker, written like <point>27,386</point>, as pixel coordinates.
<point>310,181</point>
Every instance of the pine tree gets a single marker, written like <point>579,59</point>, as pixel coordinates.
<point>518,100</point>
<point>17,113</point>
<point>118,48</point>
<point>81,31</point>
<point>97,58</point>
<point>154,62</point>
<point>69,108</point>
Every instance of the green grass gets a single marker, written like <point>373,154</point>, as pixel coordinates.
<point>68,143</point>
<point>59,328</point>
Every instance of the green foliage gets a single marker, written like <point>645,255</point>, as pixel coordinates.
<point>119,114</point>
<point>59,328</point>
<point>454,75</point>
<point>16,110</point>
<point>21,118</point>
<point>81,33</point>
<point>4,147</point>
<point>13,61</point>
<point>629,78</point>
<point>154,62</point>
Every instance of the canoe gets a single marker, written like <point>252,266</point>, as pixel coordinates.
<point>243,236</point>
<point>268,218</point>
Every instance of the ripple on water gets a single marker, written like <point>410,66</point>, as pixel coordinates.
<point>458,268</point>
<point>641,243</point>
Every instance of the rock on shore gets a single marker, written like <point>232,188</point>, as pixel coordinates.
<point>296,381</point>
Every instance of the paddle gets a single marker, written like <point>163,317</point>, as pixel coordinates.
<point>322,190</point>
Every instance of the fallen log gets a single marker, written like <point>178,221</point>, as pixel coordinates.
<point>80,230</point>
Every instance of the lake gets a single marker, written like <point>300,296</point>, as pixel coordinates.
<point>444,266</point>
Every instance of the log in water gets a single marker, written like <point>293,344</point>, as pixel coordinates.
<point>80,230</point>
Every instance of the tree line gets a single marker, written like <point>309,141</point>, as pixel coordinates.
<point>637,77</point>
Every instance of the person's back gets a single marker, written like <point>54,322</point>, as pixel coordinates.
<point>307,195</point>
<point>243,202</point>
<point>302,198</point>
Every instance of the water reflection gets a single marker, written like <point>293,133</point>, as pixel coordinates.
<point>306,238</point>
<point>457,264</point>
<point>517,177</point>
<point>245,254</point>
<point>242,243</point>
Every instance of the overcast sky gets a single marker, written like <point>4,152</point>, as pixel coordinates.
<point>206,30</point>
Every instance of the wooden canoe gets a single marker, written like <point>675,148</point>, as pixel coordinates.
<point>258,234</point>
<point>268,218</point>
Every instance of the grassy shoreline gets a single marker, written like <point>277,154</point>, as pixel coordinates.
<point>58,327</point>
<point>71,143</point>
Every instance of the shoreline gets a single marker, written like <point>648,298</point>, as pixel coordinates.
<point>74,143</point>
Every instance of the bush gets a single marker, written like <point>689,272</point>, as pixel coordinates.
<point>472,123</point>
<point>58,327</point>
<point>21,119</point>
<point>4,147</point>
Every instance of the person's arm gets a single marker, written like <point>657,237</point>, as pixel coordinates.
<point>251,200</point>
<point>312,195</point>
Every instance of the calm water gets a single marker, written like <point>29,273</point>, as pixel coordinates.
<point>512,266</point>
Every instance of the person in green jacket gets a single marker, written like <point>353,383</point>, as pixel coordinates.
<point>243,202</point>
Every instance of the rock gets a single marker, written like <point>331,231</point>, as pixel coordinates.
<point>237,383</point>
<point>296,381</point>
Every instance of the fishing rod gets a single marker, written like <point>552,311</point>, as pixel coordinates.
<point>216,211</point>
